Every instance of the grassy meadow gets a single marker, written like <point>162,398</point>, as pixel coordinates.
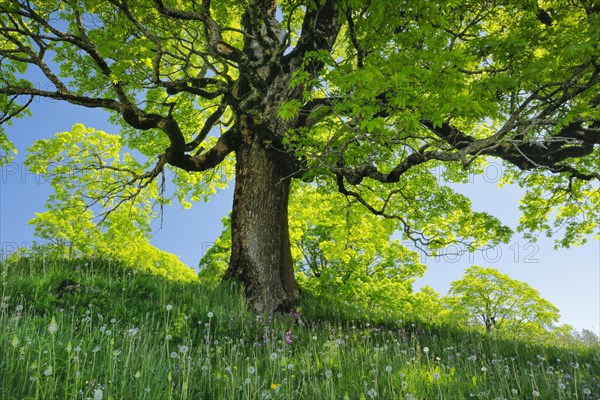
<point>94,329</point>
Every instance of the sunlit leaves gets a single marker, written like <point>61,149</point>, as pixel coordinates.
<point>498,302</point>
<point>93,209</point>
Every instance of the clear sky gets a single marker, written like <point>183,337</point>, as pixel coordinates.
<point>569,278</point>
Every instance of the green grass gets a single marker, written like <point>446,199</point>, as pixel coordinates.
<point>128,335</point>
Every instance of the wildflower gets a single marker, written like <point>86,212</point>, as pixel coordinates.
<point>274,386</point>
<point>536,393</point>
<point>98,394</point>
<point>137,375</point>
<point>53,327</point>
<point>169,307</point>
<point>48,371</point>
<point>561,386</point>
<point>19,308</point>
<point>273,356</point>
<point>483,369</point>
<point>96,349</point>
<point>183,349</point>
<point>514,391</point>
<point>290,366</point>
<point>372,393</point>
<point>288,337</point>
<point>210,314</point>
<point>425,350</point>
<point>587,391</point>
<point>247,381</point>
<point>132,332</point>
<point>328,374</point>
<point>173,355</point>
<point>117,352</point>
<point>388,369</point>
<point>168,337</point>
<point>436,376</point>
<point>113,321</point>
<point>404,385</point>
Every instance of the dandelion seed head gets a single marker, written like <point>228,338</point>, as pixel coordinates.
<point>587,391</point>
<point>98,394</point>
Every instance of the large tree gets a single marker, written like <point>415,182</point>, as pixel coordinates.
<point>366,98</point>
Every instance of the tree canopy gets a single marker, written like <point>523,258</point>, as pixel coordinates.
<point>361,98</point>
<point>496,301</point>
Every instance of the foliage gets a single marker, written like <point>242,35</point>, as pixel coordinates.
<point>363,99</point>
<point>166,339</point>
<point>488,297</point>
<point>81,166</point>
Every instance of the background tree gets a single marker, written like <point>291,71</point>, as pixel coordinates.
<point>493,299</point>
<point>363,98</point>
<point>83,166</point>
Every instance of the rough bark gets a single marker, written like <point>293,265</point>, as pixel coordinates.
<point>260,255</point>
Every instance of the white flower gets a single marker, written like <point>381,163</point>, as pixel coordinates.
<point>137,375</point>
<point>425,350</point>
<point>514,391</point>
<point>98,394</point>
<point>251,370</point>
<point>183,349</point>
<point>561,386</point>
<point>53,327</point>
<point>404,385</point>
<point>536,393</point>
<point>436,376</point>
<point>173,355</point>
<point>483,369</point>
<point>587,391</point>
<point>372,393</point>
<point>388,369</point>
<point>48,371</point>
<point>19,308</point>
<point>247,381</point>
<point>290,366</point>
<point>273,356</point>
<point>169,307</point>
<point>328,374</point>
<point>113,321</point>
<point>210,314</point>
<point>96,349</point>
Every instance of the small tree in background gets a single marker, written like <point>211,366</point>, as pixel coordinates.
<point>488,297</point>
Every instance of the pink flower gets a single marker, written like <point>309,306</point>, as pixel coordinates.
<point>288,337</point>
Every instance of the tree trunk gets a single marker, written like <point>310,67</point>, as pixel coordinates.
<point>260,253</point>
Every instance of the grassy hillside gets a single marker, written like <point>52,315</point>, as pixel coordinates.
<point>93,329</point>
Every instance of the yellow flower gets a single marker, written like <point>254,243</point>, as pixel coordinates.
<point>274,386</point>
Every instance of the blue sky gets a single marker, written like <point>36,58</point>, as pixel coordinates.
<point>569,278</point>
